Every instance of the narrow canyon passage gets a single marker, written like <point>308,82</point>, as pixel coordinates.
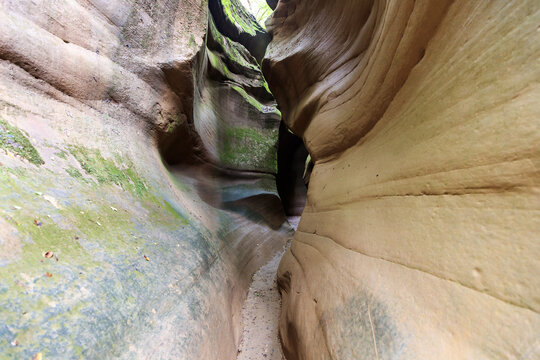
<point>260,313</point>
<point>269,179</point>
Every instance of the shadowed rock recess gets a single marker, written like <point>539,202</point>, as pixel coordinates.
<point>138,162</point>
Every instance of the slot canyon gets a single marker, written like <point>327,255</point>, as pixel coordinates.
<point>269,179</point>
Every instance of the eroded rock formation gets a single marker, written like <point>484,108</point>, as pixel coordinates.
<point>137,177</point>
<point>420,235</point>
<point>131,213</point>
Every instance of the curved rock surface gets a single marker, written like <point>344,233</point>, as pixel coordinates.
<point>420,235</point>
<point>130,219</point>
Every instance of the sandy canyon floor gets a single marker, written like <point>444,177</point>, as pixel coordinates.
<point>260,339</point>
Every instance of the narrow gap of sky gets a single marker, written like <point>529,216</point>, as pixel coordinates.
<point>259,9</point>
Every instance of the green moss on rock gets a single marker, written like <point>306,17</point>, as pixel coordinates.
<point>233,50</point>
<point>74,173</point>
<point>106,171</point>
<point>217,64</point>
<point>245,147</point>
<point>250,99</point>
<point>13,140</point>
<point>62,154</point>
<point>97,237</point>
<point>239,16</point>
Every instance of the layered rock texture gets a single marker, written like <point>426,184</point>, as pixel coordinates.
<point>132,213</point>
<point>420,235</point>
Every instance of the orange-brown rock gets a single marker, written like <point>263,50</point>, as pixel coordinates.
<point>420,235</point>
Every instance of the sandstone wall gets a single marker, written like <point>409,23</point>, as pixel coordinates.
<point>420,235</point>
<point>151,241</point>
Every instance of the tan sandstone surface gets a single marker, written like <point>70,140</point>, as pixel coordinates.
<point>420,237</point>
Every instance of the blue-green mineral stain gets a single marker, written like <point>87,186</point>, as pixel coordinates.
<point>362,328</point>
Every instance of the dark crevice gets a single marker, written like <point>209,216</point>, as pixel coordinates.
<point>292,155</point>
<point>272,4</point>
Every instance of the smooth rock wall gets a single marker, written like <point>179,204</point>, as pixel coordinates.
<point>420,235</point>
<point>150,243</point>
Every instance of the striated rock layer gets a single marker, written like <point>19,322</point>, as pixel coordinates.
<point>131,216</point>
<point>419,239</point>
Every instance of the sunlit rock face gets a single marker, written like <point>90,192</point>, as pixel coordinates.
<point>130,219</point>
<point>235,22</point>
<point>420,235</point>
